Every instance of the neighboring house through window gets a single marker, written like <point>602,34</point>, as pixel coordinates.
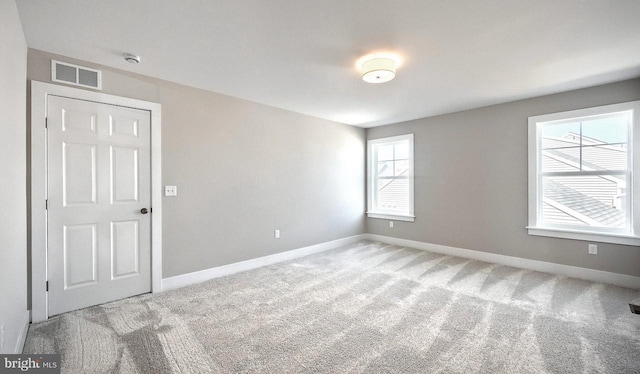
<point>584,174</point>
<point>390,178</point>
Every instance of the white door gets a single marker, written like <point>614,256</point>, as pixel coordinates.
<point>98,226</point>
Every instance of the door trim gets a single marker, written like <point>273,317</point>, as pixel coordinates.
<point>38,174</point>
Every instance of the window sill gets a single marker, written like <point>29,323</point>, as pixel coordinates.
<point>395,217</point>
<point>586,236</point>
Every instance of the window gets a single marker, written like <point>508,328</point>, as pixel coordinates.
<point>390,178</point>
<point>584,174</point>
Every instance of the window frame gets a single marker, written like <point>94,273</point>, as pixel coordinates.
<point>372,178</point>
<point>535,225</point>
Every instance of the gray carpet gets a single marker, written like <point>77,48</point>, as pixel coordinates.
<point>366,308</point>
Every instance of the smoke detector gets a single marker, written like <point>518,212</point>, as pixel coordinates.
<point>132,59</point>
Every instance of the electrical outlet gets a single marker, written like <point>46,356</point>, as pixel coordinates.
<point>593,249</point>
<point>390,224</point>
<point>170,190</point>
<point>276,234</point>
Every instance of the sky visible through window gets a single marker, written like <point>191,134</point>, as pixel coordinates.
<point>608,130</point>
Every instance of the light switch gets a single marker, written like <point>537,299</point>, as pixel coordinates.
<point>170,190</point>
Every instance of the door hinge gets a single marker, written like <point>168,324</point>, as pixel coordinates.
<point>46,122</point>
<point>46,205</point>
<point>47,286</point>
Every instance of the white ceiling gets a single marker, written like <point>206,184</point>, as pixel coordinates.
<point>300,55</point>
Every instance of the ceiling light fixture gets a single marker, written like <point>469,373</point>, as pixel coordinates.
<point>378,68</point>
<point>132,59</point>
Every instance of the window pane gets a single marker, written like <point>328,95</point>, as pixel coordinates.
<point>401,168</point>
<point>599,201</point>
<point>385,169</point>
<point>562,135</point>
<point>607,157</point>
<point>402,151</point>
<point>560,147</point>
<point>385,152</point>
<point>588,144</point>
<point>393,194</point>
<point>606,130</point>
<point>561,159</point>
<point>605,143</point>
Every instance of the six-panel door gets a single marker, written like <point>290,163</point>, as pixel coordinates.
<point>98,172</point>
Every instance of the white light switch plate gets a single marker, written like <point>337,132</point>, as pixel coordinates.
<point>170,190</point>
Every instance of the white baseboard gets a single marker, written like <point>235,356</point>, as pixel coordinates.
<point>220,271</point>
<point>523,263</point>
<point>518,262</point>
<point>22,336</point>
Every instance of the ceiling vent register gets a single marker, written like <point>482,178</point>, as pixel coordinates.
<point>75,75</point>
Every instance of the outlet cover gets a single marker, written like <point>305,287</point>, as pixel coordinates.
<point>593,249</point>
<point>170,190</point>
<point>276,234</point>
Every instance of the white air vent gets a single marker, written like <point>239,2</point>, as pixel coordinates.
<point>64,72</point>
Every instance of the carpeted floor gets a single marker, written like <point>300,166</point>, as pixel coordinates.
<point>366,308</point>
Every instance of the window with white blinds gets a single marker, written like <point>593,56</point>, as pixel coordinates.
<point>390,178</point>
<point>583,174</point>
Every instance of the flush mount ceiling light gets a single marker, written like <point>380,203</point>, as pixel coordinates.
<point>132,59</point>
<point>379,67</point>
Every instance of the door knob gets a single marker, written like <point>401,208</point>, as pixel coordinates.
<point>144,210</point>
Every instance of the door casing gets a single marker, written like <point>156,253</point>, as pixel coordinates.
<point>38,223</point>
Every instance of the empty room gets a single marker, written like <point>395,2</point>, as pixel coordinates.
<point>320,186</point>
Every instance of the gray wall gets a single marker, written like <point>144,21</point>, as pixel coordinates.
<point>13,199</point>
<point>471,181</point>
<point>242,170</point>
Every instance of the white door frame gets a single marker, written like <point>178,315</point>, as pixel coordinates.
<point>39,92</point>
